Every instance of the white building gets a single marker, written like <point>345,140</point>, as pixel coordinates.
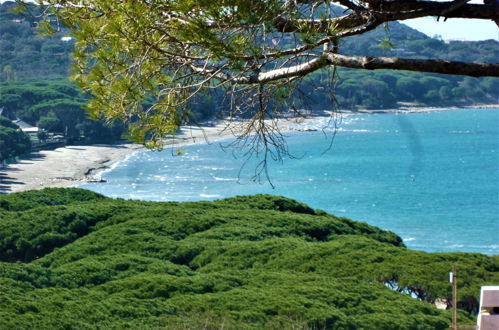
<point>488,315</point>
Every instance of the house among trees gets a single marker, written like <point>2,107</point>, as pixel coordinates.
<point>488,316</point>
<point>24,126</point>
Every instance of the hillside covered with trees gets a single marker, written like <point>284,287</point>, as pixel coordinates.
<point>27,57</point>
<point>71,258</point>
<point>57,106</point>
<point>24,53</point>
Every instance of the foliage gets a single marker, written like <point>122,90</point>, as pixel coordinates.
<point>27,54</point>
<point>13,142</point>
<point>383,89</point>
<point>73,258</point>
<point>354,88</point>
<point>174,53</point>
<point>31,199</point>
<point>55,105</point>
<point>409,43</point>
<point>33,71</point>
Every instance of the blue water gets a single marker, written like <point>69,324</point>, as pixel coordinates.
<point>430,177</point>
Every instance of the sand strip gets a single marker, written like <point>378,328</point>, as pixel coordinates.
<point>71,165</point>
<point>61,167</point>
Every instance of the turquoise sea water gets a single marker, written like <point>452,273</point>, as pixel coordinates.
<point>430,177</point>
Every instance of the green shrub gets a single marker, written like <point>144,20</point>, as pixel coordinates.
<point>252,262</point>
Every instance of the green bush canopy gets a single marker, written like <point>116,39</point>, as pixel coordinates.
<point>74,259</point>
<point>13,141</point>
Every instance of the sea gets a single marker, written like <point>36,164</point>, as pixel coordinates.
<point>431,177</point>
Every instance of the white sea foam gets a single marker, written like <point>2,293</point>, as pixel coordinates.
<point>121,163</point>
<point>366,130</point>
<point>209,196</point>
<point>216,178</point>
<point>160,178</point>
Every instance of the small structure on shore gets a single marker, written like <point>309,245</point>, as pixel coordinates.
<point>488,315</point>
<point>25,127</point>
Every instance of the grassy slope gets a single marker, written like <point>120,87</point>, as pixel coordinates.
<point>74,259</point>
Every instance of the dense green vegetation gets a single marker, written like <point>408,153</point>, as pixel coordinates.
<point>71,258</point>
<point>24,53</point>
<point>33,82</point>
<point>399,40</point>
<point>386,88</point>
<point>57,106</point>
<point>13,142</point>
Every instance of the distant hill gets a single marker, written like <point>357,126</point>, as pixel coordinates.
<point>24,53</point>
<point>30,55</point>
<point>26,57</point>
<point>71,258</point>
<point>409,43</point>
<point>386,89</point>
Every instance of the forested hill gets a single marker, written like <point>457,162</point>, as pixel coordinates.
<point>399,40</point>
<point>26,54</point>
<point>26,57</point>
<point>29,55</point>
<point>71,258</point>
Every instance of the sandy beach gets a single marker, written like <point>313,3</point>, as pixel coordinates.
<point>71,165</point>
<point>60,167</point>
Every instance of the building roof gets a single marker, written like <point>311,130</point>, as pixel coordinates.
<point>25,127</point>
<point>490,296</point>
<point>488,317</point>
<point>489,322</point>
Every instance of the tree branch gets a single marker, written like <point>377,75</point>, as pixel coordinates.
<point>430,66</point>
<point>481,11</point>
<point>389,11</point>
<point>359,62</point>
<point>298,70</point>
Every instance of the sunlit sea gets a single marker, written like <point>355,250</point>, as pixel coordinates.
<point>430,177</point>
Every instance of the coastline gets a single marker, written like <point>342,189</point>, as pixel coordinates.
<point>414,108</point>
<point>61,167</point>
<point>72,165</point>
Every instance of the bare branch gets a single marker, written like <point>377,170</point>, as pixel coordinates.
<point>432,66</point>
<point>288,72</point>
<point>389,11</point>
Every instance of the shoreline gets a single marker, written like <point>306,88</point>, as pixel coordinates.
<point>61,167</point>
<point>72,165</point>
<point>420,109</point>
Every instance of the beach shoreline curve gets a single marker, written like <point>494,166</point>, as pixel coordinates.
<point>72,165</point>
